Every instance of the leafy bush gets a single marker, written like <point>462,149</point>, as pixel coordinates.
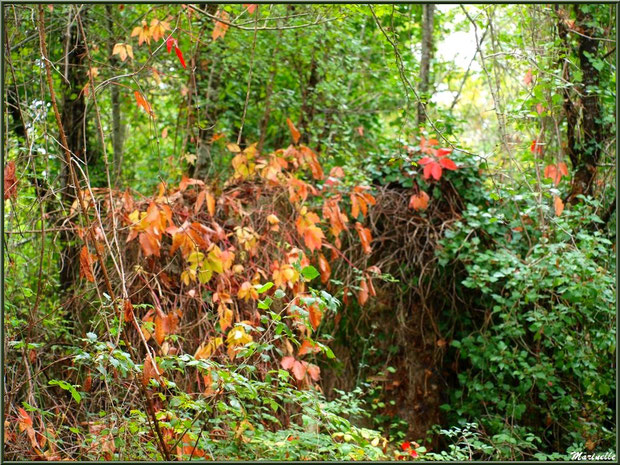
<point>539,341</point>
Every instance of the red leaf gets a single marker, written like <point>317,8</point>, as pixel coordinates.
<point>536,147</point>
<point>170,42</point>
<point>527,79</point>
<point>447,164</point>
<point>443,152</point>
<point>436,171</point>
<point>251,7</point>
<point>177,50</point>
<point>425,160</point>
<point>427,171</point>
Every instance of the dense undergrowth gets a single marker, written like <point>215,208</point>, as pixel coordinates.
<point>272,258</point>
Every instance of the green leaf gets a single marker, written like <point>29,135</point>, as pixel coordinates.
<point>264,288</point>
<point>67,387</point>
<point>310,273</point>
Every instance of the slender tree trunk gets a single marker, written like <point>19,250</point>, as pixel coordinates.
<point>205,83</point>
<point>118,127</point>
<point>268,92</point>
<point>428,12</point>
<point>74,124</point>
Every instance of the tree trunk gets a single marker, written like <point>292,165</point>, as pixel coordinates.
<point>118,127</point>
<point>585,131</point>
<point>205,83</point>
<point>74,124</point>
<point>428,11</point>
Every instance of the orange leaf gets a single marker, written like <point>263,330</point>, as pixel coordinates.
<point>25,421</point>
<point>210,204</point>
<point>362,296</point>
<point>144,33</point>
<point>324,268</point>
<point>371,288</point>
<point>555,172</point>
<point>365,237</point>
<point>142,102</point>
<point>419,201</point>
<point>10,181</point>
<point>288,362</point>
<point>337,172</point>
<point>316,315</point>
<point>355,208</point>
<point>313,237</point>
<point>220,28</point>
<point>338,220</point>
<point>251,7</point>
<point>226,317</point>
<point>150,370</point>
<point>200,199</point>
<point>563,168</point>
<point>308,347</point>
<point>314,372</point>
<point>162,328</point>
<point>294,132</point>
<point>299,369</point>
<point>128,311</point>
<point>149,243</point>
<point>558,205</point>
<point>86,262</point>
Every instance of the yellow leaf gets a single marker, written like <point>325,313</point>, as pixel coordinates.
<point>205,275</point>
<point>238,337</point>
<point>234,148</point>
<point>122,50</point>
<point>207,349</point>
<point>226,316</point>
<point>247,291</point>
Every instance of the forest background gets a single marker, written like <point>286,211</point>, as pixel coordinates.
<point>309,232</point>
